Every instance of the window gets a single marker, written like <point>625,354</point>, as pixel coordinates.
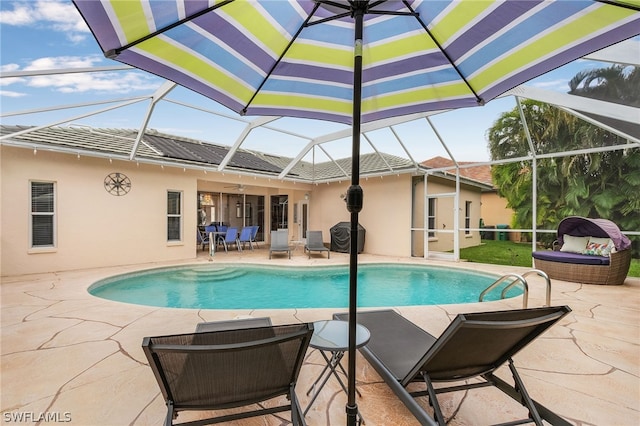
<point>42,214</point>
<point>431,216</point>
<point>174,215</point>
<point>467,217</point>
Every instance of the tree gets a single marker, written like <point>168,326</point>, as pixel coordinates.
<point>603,184</point>
<point>617,84</point>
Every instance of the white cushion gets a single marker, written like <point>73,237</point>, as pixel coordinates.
<point>574,244</point>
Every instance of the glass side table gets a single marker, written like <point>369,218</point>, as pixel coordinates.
<point>331,338</point>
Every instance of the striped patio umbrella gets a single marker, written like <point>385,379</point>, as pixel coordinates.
<point>354,61</point>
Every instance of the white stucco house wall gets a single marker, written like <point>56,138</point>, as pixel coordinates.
<point>71,198</point>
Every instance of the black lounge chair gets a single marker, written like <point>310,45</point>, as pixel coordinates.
<point>227,369</point>
<point>473,346</point>
<point>233,324</point>
<point>280,242</point>
<point>315,243</point>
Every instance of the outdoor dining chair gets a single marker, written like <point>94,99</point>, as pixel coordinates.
<point>254,234</point>
<point>245,237</point>
<point>231,237</point>
<point>202,237</point>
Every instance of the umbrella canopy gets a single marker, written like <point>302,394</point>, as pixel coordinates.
<point>354,61</point>
<point>295,58</point>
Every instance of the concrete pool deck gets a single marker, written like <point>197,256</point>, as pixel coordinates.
<point>70,357</point>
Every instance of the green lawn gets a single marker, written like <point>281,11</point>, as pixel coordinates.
<point>516,254</point>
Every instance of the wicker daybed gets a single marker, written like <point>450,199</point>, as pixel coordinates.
<point>590,268</point>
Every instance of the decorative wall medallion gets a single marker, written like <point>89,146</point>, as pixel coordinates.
<point>117,184</point>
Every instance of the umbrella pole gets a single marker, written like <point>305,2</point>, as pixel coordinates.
<point>354,205</point>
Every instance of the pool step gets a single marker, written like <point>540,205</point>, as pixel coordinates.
<point>211,274</point>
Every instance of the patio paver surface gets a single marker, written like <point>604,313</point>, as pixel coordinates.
<point>70,357</point>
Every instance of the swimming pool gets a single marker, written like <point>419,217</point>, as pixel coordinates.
<point>275,287</point>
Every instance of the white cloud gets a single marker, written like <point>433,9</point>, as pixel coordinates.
<point>53,14</point>
<point>56,62</point>
<point>11,94</point>
<point>102,82</point>
<point>124,82</point>
<point>20,15</point>
<point>6,68</point>
<point>9,67</point>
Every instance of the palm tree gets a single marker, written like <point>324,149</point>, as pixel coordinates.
<point>594,184</point>
<point>618,84</point>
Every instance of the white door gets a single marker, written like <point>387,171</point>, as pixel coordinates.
<point>304,219</point>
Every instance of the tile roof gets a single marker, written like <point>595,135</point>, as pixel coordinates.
<point>164,147</point>
<point>109,141</point>
<point>184,151</point>
<point>477,173</point>
<point>202,152</point>
<point>372,163</point>
<point>154,145</point>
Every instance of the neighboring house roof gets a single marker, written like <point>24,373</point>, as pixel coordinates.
<point>480,174</point>
<point>157,146</point>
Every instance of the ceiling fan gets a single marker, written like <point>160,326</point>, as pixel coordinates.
<point>238,187</point>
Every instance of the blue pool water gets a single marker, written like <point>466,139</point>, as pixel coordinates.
<point>271,287</point>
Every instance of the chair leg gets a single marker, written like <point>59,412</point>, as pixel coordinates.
<point>433,400</point>
<point>526,399</point>
<point>168,421</point>
<point>297,418</point>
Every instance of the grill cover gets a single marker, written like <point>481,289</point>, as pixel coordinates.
<point>341,237</point>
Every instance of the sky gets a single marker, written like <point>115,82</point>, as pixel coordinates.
<point>50,34</point>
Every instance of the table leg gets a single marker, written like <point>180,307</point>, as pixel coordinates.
<point>326,367</point>
<point>331,364</point>
<point>345,374</point>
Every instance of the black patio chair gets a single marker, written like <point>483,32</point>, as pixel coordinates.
<point>233,324</point>
<point>474,345</point>
<point>227,369</point>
